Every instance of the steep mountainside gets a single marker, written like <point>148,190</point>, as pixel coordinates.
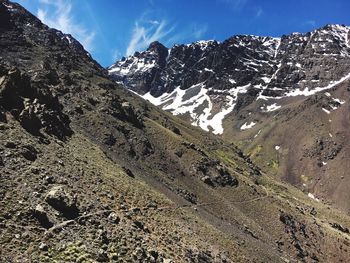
<point>90,172</point>
<point>284,100</point>
<point>208,79</point>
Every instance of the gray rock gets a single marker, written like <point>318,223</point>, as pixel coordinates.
<point>29,152</point>
<point>41,215</point>
<point>206,179</point>
<point>61,200</point>
<point>113,218</point>
<point>43,247</point>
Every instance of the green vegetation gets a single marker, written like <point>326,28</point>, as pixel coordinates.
<point>274,164</point>
<point>255,151</point>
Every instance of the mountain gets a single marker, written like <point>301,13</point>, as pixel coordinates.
<point>283,100</point>
<point>90,172</point>
<point>236,72</point>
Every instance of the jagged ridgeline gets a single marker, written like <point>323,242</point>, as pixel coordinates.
<point>284,100</point>
<point>90,172</point>
<point>207,80</point>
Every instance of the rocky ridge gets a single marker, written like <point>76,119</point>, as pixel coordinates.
<point>207,80</point>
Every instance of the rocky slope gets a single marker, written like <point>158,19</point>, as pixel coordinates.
<point>92,173</point>
<point>278,98</point>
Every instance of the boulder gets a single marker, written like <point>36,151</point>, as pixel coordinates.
<point>340,228</point>
<point>109,139</point>
<point>60,199</point>
<point>40,214</point>
<point>128,172</point>
<point>29,152</point>
<point>206,179</point>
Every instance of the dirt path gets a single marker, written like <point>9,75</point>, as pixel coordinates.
<point>216,203</point>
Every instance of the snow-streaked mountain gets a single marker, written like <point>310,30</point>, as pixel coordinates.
<point>207,80</point>
<point>284,101</point>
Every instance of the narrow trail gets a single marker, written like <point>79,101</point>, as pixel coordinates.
<point>143,209</point>
<point>67,222</point>
<point>215,203</point>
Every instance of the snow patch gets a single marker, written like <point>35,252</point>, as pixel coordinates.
<point>266,79</point>
<point>203,44</point>
<point>333,107</point>
<point>208,70</point>
<point>277,47</point>
<point>341,102</point>
<point>308,92</point>
<point>256,135</point>
<point>176,104</point>
<point>9,7</point>
<point>326,111</point>
<point>313,197</point>
<point>272,107</point>
<point>216,121</point>
<point>132,65</point>
<point>247,126</point>
<point>69,39</point>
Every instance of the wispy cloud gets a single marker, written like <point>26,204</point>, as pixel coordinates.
<point>144,33</point>
<point>310,23</point>
<point>153,22</point>
<point>191,32</point>
<point>154,27</point>
<point>259,12</point>
<point>235,4</point>
<point>116,54</point>
<point>199,30</point>
<point>58,14</point>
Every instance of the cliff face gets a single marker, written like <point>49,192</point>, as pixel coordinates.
<point>277,98</point>
<point>207,79</point>
<point>91,172</point>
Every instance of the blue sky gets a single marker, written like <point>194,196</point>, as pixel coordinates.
<point>110,29</point>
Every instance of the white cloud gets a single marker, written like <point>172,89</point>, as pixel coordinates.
<point>154,22</point>
<point>199,30</point>
<point>145,33</point>
<point>259,12</point>
<point>147,29</point>
<point>116,54</point>
<point>310,23</point>
<point>58,14</point>
<point>235,4</point>
<point>190,33</point>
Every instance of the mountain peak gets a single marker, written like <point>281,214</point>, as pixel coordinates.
<point>160,51</point>
<point>156,45</point>
<point>336,26</point>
